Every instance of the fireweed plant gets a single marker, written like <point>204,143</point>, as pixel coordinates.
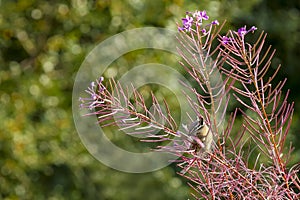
<point>223,66</point>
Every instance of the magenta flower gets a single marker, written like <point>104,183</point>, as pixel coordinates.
<point>225,40</point>
<point>215,22</point>
<point>187,23</point>
<point>200,15</point>
<point>194,20</point>
<point>243,31</point>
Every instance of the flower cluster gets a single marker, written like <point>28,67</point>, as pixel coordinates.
<point>95,90</point>
<point>195,18</point>
<point>241,33</point>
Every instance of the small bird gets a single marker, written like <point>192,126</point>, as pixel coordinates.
<point>199,129</point>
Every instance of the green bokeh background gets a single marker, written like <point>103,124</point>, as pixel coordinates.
<point>42,45</point>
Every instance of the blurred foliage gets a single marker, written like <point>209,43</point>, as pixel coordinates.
<point>43,44</point>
